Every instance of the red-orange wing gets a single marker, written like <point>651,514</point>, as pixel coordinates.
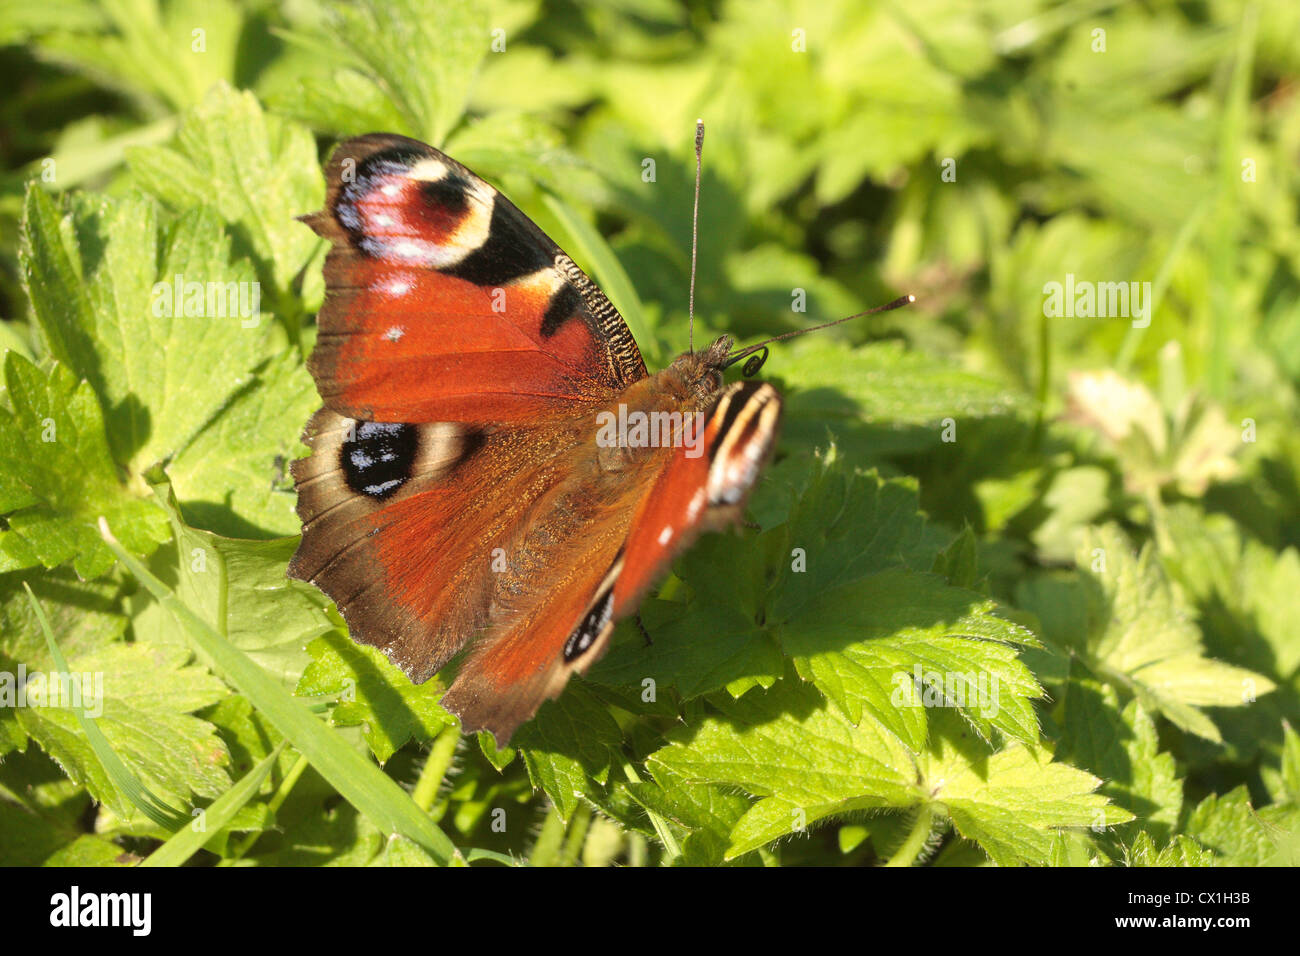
<point>624,546</point>
<point>446,303</point>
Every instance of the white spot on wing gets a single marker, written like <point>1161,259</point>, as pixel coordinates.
<point>395,286</point>
<point>665,535</point>
<point>395,333</point>
<point>697,502</point>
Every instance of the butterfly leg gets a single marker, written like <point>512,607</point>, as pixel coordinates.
<point>640,624</point>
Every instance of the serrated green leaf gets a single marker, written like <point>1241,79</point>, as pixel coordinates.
<point>399,61</point>
<point>571,739</point>
<point>357,779</point>
<point>1230,827</point>
<point>1134,629</point>
<point>59,476</point>
<point>142,700</point>
<point>1122,748</point>
<point>896,643</point>
<point>127,302</point>
<point>788,743</point>
<point>703,815</point>
<point>375,695</point>
<point>242,588</point>
<point>233,477</point>
<point>257,171</point>
<point>1181,851</point>
<point>1012,801</point>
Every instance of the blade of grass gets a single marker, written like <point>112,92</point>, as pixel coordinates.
<point>221,811</point>
<point>151,805</point>
<point>281,794</point>
<point>359,781</point>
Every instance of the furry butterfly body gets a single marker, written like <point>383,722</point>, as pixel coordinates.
<point>462,488</point>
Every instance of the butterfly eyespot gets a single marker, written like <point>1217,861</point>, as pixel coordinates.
<point>585,634</point>
<point>378,460</point>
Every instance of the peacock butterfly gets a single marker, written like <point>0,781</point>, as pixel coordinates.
<point>492,459</point>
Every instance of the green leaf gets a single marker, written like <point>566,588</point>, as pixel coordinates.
<point>82,688</point>
<point>57,476</point>
<point>886,393</point>
<point>147,49</point>
<point>1291,764</point>
<point>703,815</point>
<point>1134,630</point>
<point>1122,748</point>
<point>399,61</point>
<point>358,780</point>
<point>897,643</point>
<point>242,589</point>
<point>376,696</point>
<point>256,170</point>
<point>789,744</point>
<point>188,840</point>
<point>1012,801</point>
<point>233,477</point>
<point>103,279</point>
<point>142,700</point>
<point>1181,851</point>
<point>1237,834</point>
<point>83,616</point>
<point>572,739</point>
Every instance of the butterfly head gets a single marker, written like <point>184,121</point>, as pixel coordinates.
<point>700,373</point>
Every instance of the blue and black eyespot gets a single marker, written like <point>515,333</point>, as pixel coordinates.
<point>380,459</point>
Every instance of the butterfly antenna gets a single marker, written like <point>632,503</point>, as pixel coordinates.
<point>695,223</point>
<point>759,350</point>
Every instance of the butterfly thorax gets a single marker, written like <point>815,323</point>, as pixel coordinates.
<point>665,409</point>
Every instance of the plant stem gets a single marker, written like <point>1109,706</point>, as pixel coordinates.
<point>671,846</point>
<point>546,850</point>
<point>436,765</point>
<point>578,827</point>
<point>916,838</point>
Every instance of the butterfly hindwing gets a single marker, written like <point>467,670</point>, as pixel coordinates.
<point>707,492</point>
<point>444,302</point>
<point>516,667</point>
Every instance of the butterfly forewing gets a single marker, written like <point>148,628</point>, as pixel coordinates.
<point>444,302</point>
